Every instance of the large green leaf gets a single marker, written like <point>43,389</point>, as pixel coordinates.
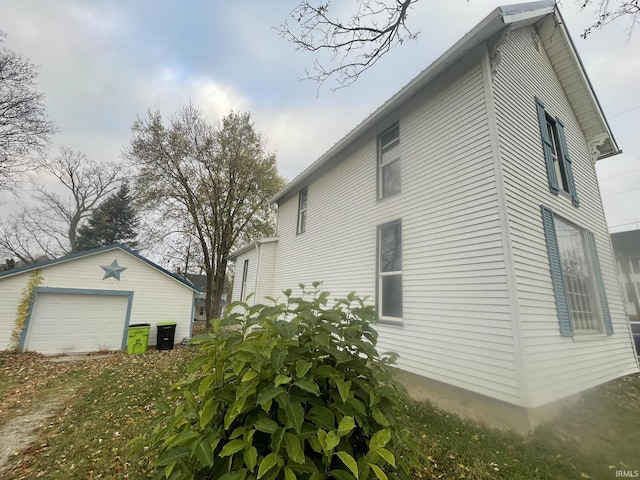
<point>251,458</point>
<point>378,471</point>
<point>308,385</point>
<point>346,425</point>
<point>289,474</point>
<point>387,455</point>
<point>294,448</point>
<point>232,447</point>
<point>204,454</point>
<point>302,367</point>
<point>341,474</point>
<point>343,389</point>
<point>379,439</point>
<point>295,415</point>
<point>268,393</point>
<point>234,411</point>
<point>208,411</point>
<point>276,440</point>
<point>282,380</point>
<point>172,455</point>
<point>267,464</point>
<point>250,375</point>
<point>266,425</point>
<point>205,385</point>
<point>380,417</point>
<point>277,358</point>
<point>349,462</point>
<point>322,417</point>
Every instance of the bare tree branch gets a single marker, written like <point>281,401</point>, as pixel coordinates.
<point>355,45</point>
<point>607,11</point>
<point>50,228</point>
<point>24,127</point>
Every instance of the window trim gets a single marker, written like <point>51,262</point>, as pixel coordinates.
<point>559,144</point>
<point>381,165</point>
<point>380,274</point>
<point>559,282</point>
<point>302,212</point>
<point>243,284</point>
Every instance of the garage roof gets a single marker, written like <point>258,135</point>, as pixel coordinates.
<point>74,256</point>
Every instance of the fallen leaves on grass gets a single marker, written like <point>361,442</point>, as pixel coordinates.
<point>114,404</point>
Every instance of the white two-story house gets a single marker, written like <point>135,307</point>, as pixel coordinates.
<point>467,208</point>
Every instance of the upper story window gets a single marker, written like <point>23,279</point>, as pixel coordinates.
<point>389,162</point>
<point>556,154</point>
<point>581,300</point>
<point>302,211</point>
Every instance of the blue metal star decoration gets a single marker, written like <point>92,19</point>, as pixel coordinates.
<point>114,270</point>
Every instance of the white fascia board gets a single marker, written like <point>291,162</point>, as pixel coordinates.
<point>245,248</point>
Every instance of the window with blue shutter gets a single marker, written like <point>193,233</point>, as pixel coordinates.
<point>581,301</point>
<point>556,154</point>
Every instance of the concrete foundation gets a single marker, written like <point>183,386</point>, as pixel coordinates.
<point>480,408</point>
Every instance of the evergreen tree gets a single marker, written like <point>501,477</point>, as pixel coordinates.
<point>113,221</point>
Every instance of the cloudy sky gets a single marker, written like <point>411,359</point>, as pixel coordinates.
<point>102,63</point>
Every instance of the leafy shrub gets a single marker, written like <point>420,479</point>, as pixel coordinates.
<point>291,391</point>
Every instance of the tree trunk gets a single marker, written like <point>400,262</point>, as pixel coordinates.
<point>221,270</point>
<point>208,299</point>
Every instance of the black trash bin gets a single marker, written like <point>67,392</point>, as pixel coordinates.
<point>166,335</point>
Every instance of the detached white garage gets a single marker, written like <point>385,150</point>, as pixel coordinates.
<point>85,302</point>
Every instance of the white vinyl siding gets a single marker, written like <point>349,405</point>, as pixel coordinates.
<point>245,285</point>
<point>555,366</point>
<point>260,260</point>
<point>456,325</point>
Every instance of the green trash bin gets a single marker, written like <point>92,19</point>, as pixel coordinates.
<point>138,338</point>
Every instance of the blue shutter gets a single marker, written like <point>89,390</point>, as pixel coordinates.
<point>547,147</point>
<point>567,162</point>
<point>557,278</point>
<point>599,283</point>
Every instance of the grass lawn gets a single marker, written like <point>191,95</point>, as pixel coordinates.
<point>114,396</point>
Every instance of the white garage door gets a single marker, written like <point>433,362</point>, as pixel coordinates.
<point>74,323</point>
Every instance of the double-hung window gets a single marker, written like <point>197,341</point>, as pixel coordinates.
<point>556,154</point>
<point>389,162</point>
<point>302,211</point>
<point>390,271</point>
<point>581,301</point>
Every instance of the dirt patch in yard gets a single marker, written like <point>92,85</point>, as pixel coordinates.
<point>20,431</point>
<point>38,387</point>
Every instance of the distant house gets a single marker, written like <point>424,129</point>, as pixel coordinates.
<point>86,301</point>
<point>626,248</point>
<point>200,281</point>
<point>467,208</point>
